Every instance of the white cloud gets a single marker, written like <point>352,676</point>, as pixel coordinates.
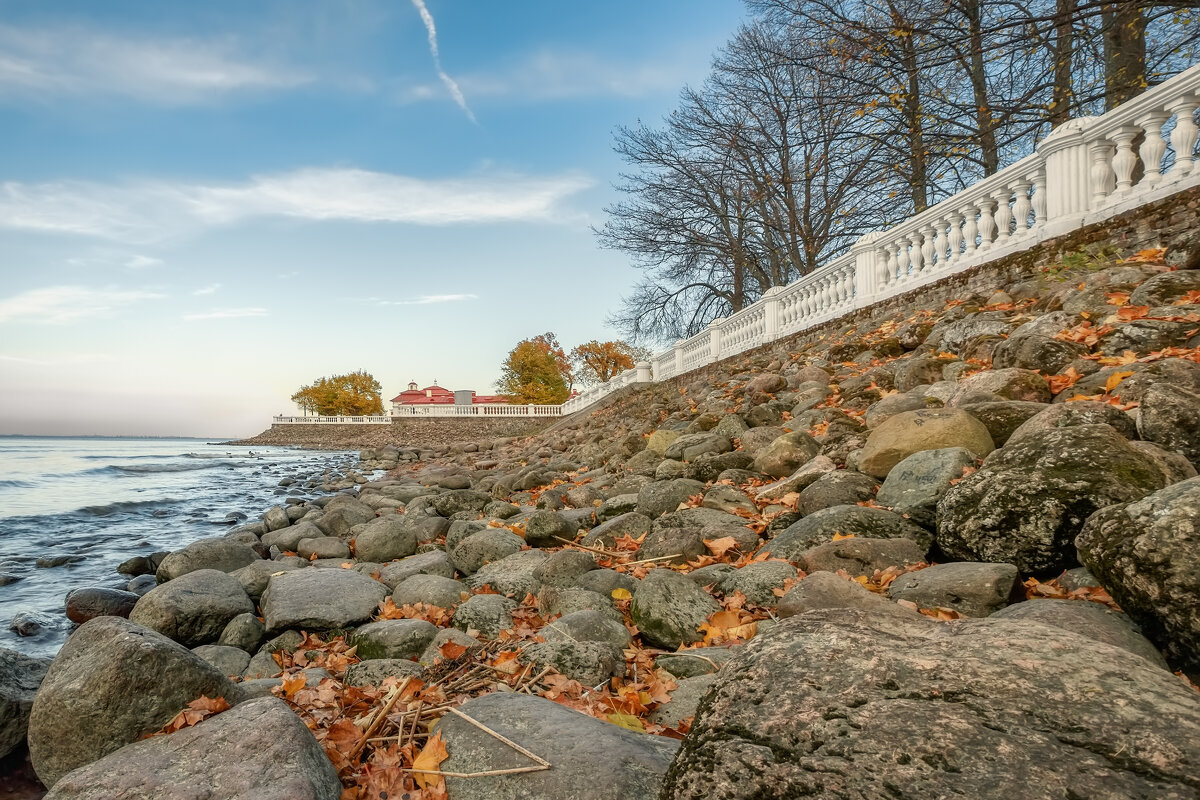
<point>210,289</point>
<point>428,299</point>
<point>58,304</point>
<point>146,211</point>
<point>143,262</point>
<point>227,313</point>
<point>447,81</point>
<point>550,75</point>
<point>79,62</point>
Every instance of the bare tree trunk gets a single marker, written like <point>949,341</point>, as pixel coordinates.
<point>1124,52</point>
<point>918,159</point>
<point>1063,96</point>
<point>985,124</point>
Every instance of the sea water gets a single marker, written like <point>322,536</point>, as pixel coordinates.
<point>95,502</point>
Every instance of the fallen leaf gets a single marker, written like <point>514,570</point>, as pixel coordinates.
<point>719,547</point>
<point>452,650</point>
<point>627,721</point>
<point>430,758</point>
<point>1115,379</point>
<point>621,594</point>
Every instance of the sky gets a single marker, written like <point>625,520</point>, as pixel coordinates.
<point>204,206</point>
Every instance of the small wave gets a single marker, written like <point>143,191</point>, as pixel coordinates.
<point>113,508</point>
<point>140,469</point>
<point>14,484</point>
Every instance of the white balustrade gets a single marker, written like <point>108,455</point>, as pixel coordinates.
<point>1084,172</point>
<point>319,420</point>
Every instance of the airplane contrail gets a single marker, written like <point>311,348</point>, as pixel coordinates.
<point>455,92</point>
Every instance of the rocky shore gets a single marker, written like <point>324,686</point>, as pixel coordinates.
<point>422,435</point>
<point>950,549</point>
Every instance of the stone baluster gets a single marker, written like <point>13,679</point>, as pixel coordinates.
<point>1040,201</point>
<point>956,236</point>
<point>1102,181</point>
<point>1183,137</point>
<point>939,243</point>
<point>1003,213</point>
<point>987,224</point>
<point>970,230</point>
<point>927,249</point>
<point>1021,206</point>
<point>883,262</point>
<point>1125,160</point>
<point>902,260</point>
<point>893,263</point>
<point>915,255</point>
<point>1154,146</point>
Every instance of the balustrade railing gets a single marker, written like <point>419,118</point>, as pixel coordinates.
<point>1085,171</point>
<point>318,420</point>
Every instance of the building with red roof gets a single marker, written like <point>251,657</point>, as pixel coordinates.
<point>437,395</point>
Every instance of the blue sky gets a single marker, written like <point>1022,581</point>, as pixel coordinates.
<point>205,205</point>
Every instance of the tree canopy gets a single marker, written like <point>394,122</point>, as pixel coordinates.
<point>353,394</point>
<point>536,371</point>
<point>598,362</point>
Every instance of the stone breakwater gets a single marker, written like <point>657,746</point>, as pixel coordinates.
<point>949,550</point>
<point>421,435</point>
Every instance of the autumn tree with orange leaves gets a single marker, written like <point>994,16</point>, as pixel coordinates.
<point>598,362</point>
<point>537,371</point>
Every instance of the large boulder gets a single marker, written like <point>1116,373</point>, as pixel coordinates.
<point>970,588</point>
<point>259,749</point>
<point>846,703</point>
<point>1163,289</point>
<point>461,500</point>
<point>1093,620</point>
<point>785,454</point>
<point>1079,412</point>
<point>1147,555</point>
<point>1030,498</point>
<point>20,676</point>
<point>693,445</point>
<point>194,608</point>
<point>112,683</point>
<point>341,514</point>
<point>1170,416</point>
<point>433,590</point>
<point>221,554</point>
<point>669,609</point>
<point>916,484</point>
<point>840,521</point>
<point>913,431</point>
<point>320,599</point>
<point>631,766</point>
<point>433,562</point>
<point>514,575</point>
<point>484,547</point>
<point>860,556</point>
<point>384,539</point>
<point>661,497</point>
<point>393,638</point>
<point>98,601</point>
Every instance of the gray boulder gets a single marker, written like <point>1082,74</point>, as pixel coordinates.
<point>112,683</point>
<point>1079,412</point>
<point>245,631</point>
<point>837,488</point>
<point>433,562</point>
<point>1048,355</point>
<point>1147,555</point>
<point>514,575</point>
<point>758,581</point>
<point>628,524</point>
<point>323,547</point>
<point>20,676</point>
<point>785,454</point>
<point>255,576</point>
<point>861,556</point>
<point>1003,417</point>
<point>990,708</point>
<point>431,589</point>
<point>591,663</point>
<point>1170,416</point>
<point>290,538</point>
<point>229,660</point>
<point>393,638</point>
<point>459,500</point>
<point>916,484</point>
<point>220,554</point>
<point>320,600</point>
<point>693,445</point>
<point>483,547</point>
<point>564,567</point>
<point>341,514</point>
<point>685,698</point>
<point>486,613</point>
<point>587,625</point>
<point>1093,620</point>
<point>669,609</point>
<point>696,661</point>
<point>860,521</point>
<point>193,609</point>
<point>377,670</point>
<point>1030,499</point>
<point>661,497</point>
<point>970,588</point>
<point>631,768</point>
<point>547,529</point>
<point>827,590</point>
<point>385,539</point>
<point>259,749</point>
<point>1163,289</point>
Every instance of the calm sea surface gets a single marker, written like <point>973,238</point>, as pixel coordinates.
<point>99,501</point>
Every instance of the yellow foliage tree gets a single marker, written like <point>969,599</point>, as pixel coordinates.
<point>598,362</point>
<point>353,394</point>
<point>533,372</point>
